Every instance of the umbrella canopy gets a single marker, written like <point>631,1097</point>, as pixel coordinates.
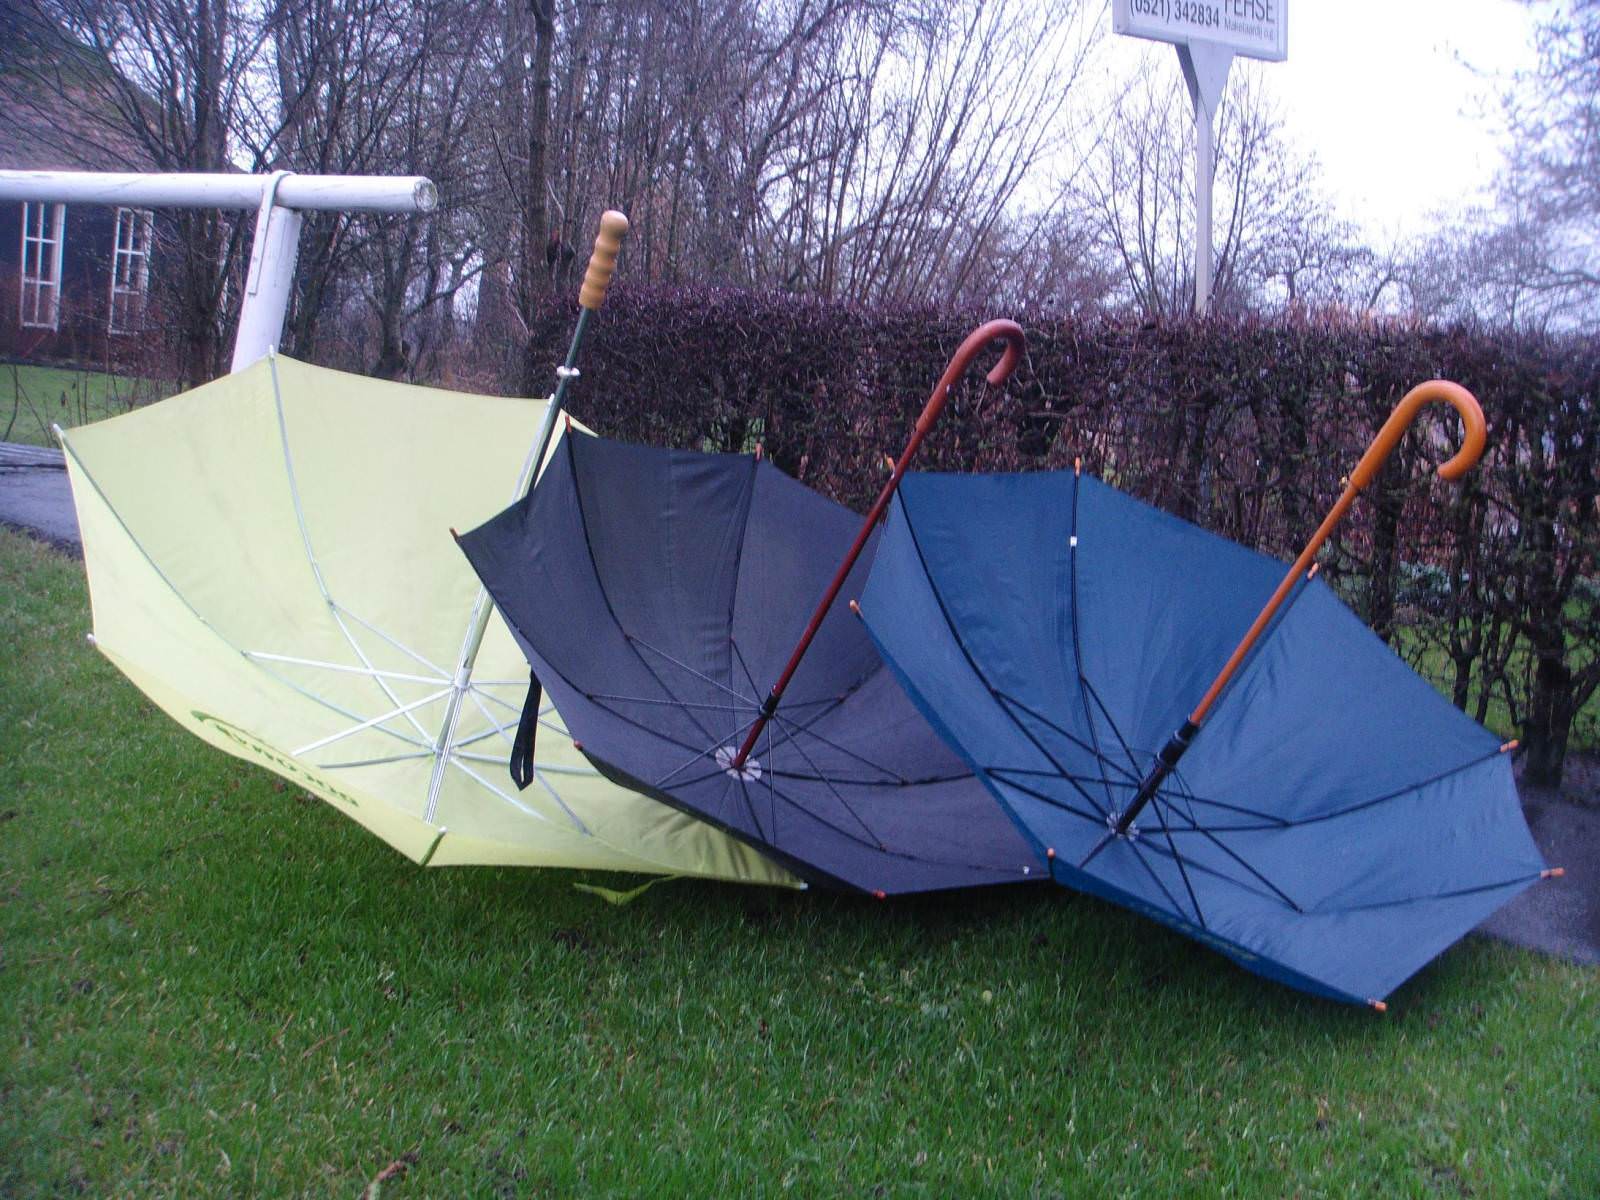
<point>268,561</point>
<point>1334,823</point>
<point>657,593</point>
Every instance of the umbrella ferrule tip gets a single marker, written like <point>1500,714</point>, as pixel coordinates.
<point>1552,873</point>
<point>1378,1006</point>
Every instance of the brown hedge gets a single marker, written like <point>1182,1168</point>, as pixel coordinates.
<point>1243,426</point>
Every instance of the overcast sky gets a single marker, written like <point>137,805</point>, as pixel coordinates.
<point>1380,91</point>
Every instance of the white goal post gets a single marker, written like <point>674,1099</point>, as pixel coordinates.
<point>278,199</point>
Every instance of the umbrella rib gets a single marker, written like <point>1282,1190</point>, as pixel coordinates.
<point>683,666</point>
<point>334,610</point>
<point>1277,823</point>
<point>955,634</point>
<point>641,726</point>
<point>414,655</point>
<point>369,723</point>
<point>494,726</point>
<point>472,686</point>
<point>198,616</point>
<point>1138,854</point>
<point>772,787</point>
<point>880,848</point>
<point>1183,871</point>
<point>749,806</point>
<point>599,696</point>
<point>1096,818</point>
<point>343,668</point>
<point>1104,760</point>
<point>1398,792</point>
<point>512,800</point>
<point>1531,877</point>
<point>791,705</point>
<point>748,500</point>
<point>1186,795</point>
<point>1127,750</point>
<point>793,730</point>
<point>539,767</point>
<point>1180,787</point>
<point>800,750</point>
<point>374,762</point>
<point>706,753</point>
<point>805,728</point>
<point>1220,845</point>
<point>1271,822</point>
<point>1077,644</point>
<point>605,596</point>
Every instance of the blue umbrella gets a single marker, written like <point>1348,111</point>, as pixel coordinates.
<point>1321,816</point>
<point>682,582</point>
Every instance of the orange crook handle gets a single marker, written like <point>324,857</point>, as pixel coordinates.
<point>1434,391</point>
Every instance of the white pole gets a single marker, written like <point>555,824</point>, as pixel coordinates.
<point>273,252</point>
<point>1205,70</point>
<point>278,199</point>
<point>363,193</point>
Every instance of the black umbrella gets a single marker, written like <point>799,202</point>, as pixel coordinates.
<point>680,580</point>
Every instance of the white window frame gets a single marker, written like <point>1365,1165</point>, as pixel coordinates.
<point>39,301</point>
<point>130,269</point>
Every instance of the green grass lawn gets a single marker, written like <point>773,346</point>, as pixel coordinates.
<point>33,398</point>
<point>212,985</point>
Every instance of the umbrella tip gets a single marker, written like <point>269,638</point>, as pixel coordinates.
<point>1312,573</point>
<point>880,894</point>
<point>1077,465</point>
<point>1050,852</point>
<point>1378,1006</point>
<point>90,637</point>
<point>1552,873</point>
<point>1507,747</point>
<point>759,451</point>
<point>576,744</point>
<point>855,608</point>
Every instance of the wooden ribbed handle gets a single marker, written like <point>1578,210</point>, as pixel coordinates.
<point>603,262</point>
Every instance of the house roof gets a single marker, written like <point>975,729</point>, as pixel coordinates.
<point>57,100</point>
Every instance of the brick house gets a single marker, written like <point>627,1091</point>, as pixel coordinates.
<point>74,279</point>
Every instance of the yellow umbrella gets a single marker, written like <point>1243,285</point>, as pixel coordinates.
<point>269,560</point>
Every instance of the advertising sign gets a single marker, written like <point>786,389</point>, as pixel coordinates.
<point>1252,28</point>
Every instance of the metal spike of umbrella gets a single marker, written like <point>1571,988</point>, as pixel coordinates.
<point>681,580</point>
<point>268,562</point>
<point>1321,815</point>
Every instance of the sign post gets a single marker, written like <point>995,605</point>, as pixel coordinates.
<point>1207,34</point>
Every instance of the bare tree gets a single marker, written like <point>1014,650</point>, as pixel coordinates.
<point>1277,240</point>
<point>1531,258</point>
<point>178,89</point>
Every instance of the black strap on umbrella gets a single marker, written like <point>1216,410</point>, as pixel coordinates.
<point>521,763</point>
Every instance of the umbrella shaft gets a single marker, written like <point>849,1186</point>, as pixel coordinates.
<point>1166,762</point>
<point>874,515</point>
<point>482,609</point>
